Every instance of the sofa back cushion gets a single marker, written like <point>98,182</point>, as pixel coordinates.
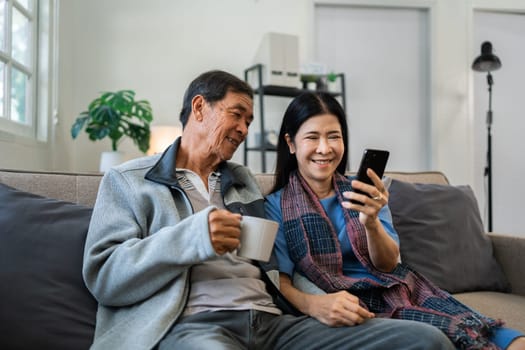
<point>266,181</point>
<point>71,187</point>
<point>83,188</point>
<point>44,302</point>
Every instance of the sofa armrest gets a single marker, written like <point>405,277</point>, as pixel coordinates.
<point>508,251</point>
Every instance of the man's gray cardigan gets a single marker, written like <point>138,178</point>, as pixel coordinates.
<point>142,242</point>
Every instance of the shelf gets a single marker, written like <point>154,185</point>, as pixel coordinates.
<point>259,148</point>
<point>285,91</point>
<point>262,90</point>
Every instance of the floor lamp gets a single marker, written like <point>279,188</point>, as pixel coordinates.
<point>488,62</point>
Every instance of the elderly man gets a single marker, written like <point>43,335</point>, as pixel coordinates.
<point>160,254</point>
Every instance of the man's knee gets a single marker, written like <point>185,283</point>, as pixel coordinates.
<point>425,336</point>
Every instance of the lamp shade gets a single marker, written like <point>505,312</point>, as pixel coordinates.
<point>161,137</point>
<point>487,61</point>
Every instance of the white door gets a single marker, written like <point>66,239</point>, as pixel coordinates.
<point>384,53</point>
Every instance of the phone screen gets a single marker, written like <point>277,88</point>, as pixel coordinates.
<point>376,160</point>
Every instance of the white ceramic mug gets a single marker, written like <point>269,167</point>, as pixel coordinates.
<point>257,238</point>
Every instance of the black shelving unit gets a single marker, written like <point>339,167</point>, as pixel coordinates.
<point>261,91</point>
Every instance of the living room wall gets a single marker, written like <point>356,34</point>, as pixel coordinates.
<point>156,47</point>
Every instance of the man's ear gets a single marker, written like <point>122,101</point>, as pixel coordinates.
<point>289,141</point>
<point>197,106</point>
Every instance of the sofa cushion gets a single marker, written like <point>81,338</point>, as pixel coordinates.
<point>43,299</point>
<point>442,237</point>
<point>505,306</point>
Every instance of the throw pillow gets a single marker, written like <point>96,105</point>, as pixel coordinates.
<point>44,302</point>
<point>442,237</point>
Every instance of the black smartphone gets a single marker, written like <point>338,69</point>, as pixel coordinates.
<point>375,159</point>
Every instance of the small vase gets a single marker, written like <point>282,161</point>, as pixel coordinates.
<point>332,86</point>
<point>311,85</point>
<point>110,159</point>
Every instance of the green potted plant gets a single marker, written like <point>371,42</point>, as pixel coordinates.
<point>331,82</point>
<point>115,115</point>
<point>309,81</point>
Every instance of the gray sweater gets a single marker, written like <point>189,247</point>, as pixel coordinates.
<point>142,241</point>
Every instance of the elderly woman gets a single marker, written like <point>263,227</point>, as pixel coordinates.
<point>351,250</point>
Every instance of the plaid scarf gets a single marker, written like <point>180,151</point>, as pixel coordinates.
<point>403,293</point>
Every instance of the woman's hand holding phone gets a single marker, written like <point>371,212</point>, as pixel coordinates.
<point>368,193</point>
<point>364,193</point>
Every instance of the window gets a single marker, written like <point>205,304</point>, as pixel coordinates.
<point>24,30</point>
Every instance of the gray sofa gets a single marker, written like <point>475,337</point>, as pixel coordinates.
<point>44,218</point>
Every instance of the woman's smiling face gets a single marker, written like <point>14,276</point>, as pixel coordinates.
<point>319,148</point>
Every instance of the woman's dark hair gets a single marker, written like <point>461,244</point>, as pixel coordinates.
<point>302,108</point>
<point>213,86</point>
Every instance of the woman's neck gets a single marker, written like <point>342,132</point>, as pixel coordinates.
<point>322,189</point>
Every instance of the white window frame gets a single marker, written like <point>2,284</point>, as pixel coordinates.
<point>39,99</point>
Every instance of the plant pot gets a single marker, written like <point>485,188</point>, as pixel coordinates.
<point>311,85</point>
<point>110,159</point>
<point>332,86</point>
